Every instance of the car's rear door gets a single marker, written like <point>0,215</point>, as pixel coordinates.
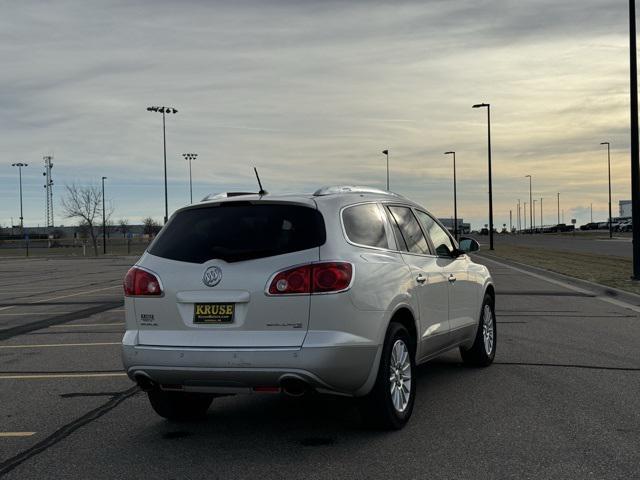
<point>214,263</point>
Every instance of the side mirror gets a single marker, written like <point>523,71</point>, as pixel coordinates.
<point>469,245</point>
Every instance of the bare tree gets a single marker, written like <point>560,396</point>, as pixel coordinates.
<point>151,227</point>
<point>85,204</point>
<point>124,227</point>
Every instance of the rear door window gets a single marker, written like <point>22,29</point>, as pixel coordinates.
<point>410,230</point>
<point>364,225</point>
<point>236,231</point>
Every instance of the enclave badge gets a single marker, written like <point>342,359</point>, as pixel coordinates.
<point>212,276</point>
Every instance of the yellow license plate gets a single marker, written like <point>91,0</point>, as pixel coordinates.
<point>213,312</point>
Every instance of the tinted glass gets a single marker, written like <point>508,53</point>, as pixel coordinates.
<point>410,229</point>
<point>364,225</point>
<point>438,235</point>
<point>238,231</point>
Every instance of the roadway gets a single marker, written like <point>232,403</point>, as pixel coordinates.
<point>561,400</point>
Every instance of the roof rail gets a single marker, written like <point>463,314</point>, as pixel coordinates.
<point>334,189</point>
<point>218,196</point>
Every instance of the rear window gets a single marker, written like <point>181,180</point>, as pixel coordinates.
<point>239,231</point>
<point>364,225</point>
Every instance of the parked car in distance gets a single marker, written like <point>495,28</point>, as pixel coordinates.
<point>590,226</point>
<point>343,291</point>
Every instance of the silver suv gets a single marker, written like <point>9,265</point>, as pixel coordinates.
<point>343,291</point>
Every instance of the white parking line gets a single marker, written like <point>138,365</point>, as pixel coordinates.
<point>87,325</point>
<point>43,376</point>
<point>66,296</point>
<point>29,314</point>
<point>47,345</point>
<point>16,434</point>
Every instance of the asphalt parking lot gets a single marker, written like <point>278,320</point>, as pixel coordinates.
<point>561,400</point>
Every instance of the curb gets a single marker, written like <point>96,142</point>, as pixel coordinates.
<point>596,288</point>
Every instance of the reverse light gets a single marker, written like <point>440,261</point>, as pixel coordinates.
<point>326,277</point>
<point>139,282</point>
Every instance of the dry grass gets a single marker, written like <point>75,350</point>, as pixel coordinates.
<point>606,270</point>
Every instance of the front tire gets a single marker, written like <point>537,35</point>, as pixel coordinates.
<point>390,403</point>
<point>483,350</point>
<point>180,405</point>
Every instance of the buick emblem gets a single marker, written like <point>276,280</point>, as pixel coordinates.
<point>212,276</point>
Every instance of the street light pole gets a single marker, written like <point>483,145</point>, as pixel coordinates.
<point>533,216</point>
<point>104,223</point>
<point>541,218</point>
<point>164,110</point>
<point>558,208</point>
<point>386,152</point>
<point>635,161</point>
<point>524,211</point>
<point>519,222</point>
<point>455,197</point>
<point>189,157</point>
<point>488,106</point>
<point>609,167</point>
<point>20,165</point>
<point>530,202</point>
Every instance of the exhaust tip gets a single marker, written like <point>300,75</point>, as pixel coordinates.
<point>294,387</point>
<point>145,383</point>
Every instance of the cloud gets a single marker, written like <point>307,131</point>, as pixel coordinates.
<point>311,92</point>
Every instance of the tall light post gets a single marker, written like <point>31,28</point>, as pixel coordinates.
<point>524,211</point>
<point>189,157</point>
<point>455,197</point>
<point>488,106</point>
<point>533,216</point>
<point>164,110</point>
<point>558,208</point>
<point>635,154</point>
<point>386,152</point>
<point>541,218</point>
<point>104,222</point>
<point>530,201</point>
<point>20,165</point>
<point>609,166</point>
<point>519,218</point>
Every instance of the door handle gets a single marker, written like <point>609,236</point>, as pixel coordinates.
<point>452,278</point>
<point>421,278</point>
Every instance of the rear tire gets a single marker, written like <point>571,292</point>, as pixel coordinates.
<point>180,405</point>
<point>483,350</point>
<point>390,403</point>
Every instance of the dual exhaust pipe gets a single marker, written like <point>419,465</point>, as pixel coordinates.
<point>290,385</point>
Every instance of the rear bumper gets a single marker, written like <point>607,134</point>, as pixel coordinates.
<point>342,369</point>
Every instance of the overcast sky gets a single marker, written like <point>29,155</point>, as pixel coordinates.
<point>310,92</point>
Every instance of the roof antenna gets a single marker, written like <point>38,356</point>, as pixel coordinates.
<point>262,190</point>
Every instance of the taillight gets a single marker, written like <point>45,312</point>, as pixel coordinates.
<point>138,282</point>
<point>324,277</point>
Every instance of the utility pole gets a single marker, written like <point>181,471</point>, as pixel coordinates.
<point>19,165</point>
<point>104,223</point>
<point>164,110</point>
<point>488,106</point>
<point>609,167</point>
<point>635,160</point>
<point>386,152</point>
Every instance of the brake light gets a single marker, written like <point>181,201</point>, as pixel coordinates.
<point>138,282</point>
<point>324,277</point>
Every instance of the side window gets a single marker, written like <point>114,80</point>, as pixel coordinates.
<point>410,230</point>
<point>439,237</point>
<point>364,225</point>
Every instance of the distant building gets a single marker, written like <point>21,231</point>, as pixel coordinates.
<point>625,208</point>
<point>462,227</point>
